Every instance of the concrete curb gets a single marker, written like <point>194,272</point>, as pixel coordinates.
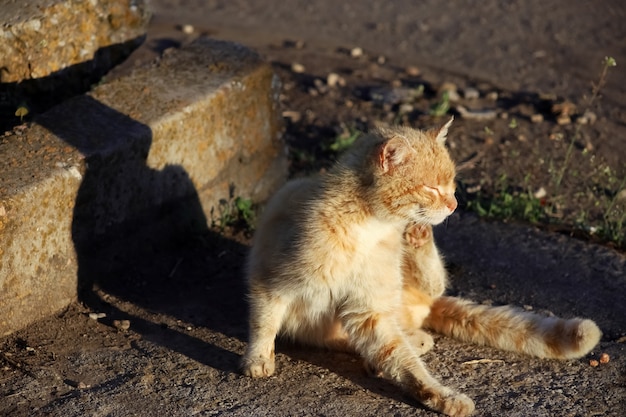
<point>41,37</point>
<point>198,124</point>
<point>51,50</point>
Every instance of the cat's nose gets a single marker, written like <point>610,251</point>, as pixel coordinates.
<point>451,203</point>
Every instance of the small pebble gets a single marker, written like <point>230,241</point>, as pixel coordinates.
<point>588,118</point>
<point>413,71</point>
<point>333,80</point>
<point>594,363</point>
<point>121,324</point>
<point>605,358</point>
<point>540,193</point>
<point>565,108</point>
<point>556,136</point>
<point>563,120</point>
<point>356,52</point>
<point>297,68</point>
<point>536,118</point>
<point>381,60</point>
<point>96,316</point>
<point>471,93</point>
<point>493,95</point>
<point>187,29</point>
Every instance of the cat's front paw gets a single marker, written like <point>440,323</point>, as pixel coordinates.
<point>418,235</point>
<point>257,367</point>
<point>457,405</point>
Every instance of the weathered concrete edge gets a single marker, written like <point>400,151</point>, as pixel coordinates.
<point>40,38</point>
<point>38,265</point>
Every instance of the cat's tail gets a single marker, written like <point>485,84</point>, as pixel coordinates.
<point>512,329</point>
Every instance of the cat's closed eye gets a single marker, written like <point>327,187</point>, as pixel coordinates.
<point>446,195</point>
<point>438,191</point>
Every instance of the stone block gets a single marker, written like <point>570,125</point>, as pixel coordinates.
<point>53,49</point>
<point>41,37</point>
<point>202,121</point>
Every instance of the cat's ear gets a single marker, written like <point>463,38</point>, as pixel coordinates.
<point>441,134</point>
<point>393,153</point>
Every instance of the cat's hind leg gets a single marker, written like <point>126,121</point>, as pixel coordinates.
<point>420,340</point>
<point>336,338</point>
<point>386,349</point>
<point>266,317</point>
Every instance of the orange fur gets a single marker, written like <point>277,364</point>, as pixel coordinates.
<point>348,261</point>
<point>512,329</point>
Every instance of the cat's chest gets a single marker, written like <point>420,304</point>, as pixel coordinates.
<point>356,253</point>
<point>375,263</point>
<point>373,239</point>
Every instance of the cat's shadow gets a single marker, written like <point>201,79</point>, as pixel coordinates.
<point>163,268</point>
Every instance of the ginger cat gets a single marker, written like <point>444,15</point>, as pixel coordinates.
<point>348,261</point>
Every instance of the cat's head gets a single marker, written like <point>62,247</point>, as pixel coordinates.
<point>413,174</point>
